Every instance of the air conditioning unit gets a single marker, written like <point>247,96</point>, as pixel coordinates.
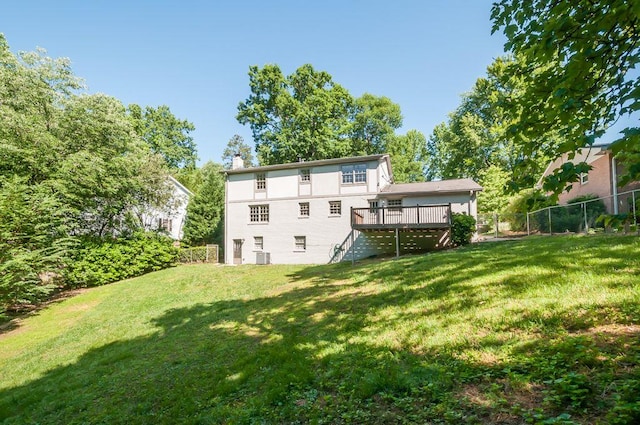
<point>263,258</point>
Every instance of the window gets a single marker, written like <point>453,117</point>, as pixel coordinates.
<point>395,205</point>
<point>304,209</point>
<point>164,224</point>
<point>305,176</point>
<point>259,213</point>
<point>584,178</point>
<point>335,207</point>
<point>354,173</point>
<point>261,181</point>
<point>258,243</point>
<point>373,205</point>
<point>300,243</point>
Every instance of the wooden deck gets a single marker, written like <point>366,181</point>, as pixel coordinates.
<point>413,217</point>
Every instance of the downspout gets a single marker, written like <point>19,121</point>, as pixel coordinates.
<point>226,217</point>
<point>614,177</point>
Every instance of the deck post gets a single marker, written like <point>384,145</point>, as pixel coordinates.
<point>397,243</point>
<point>635,214</point>
<point>353,250</point>
<point>352,217</point>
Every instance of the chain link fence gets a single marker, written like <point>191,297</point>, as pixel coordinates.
<point>586,216</point>
<point>501,225</point>
<point>593,215</point>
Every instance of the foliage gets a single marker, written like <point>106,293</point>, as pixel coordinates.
<point>205,211</point>
<point>408,156</point>
<point>494,197</point>
<point>523,203</point>
<point>475,136</point>
<point>488,333</point>
<point>33,245</point>
<point>308,116</point>
<point>463,227</point>
<point>104,260</point>
<point>165,134</point>
<point>373,124</point>
<point>576,57</point>
<point>236,145</point>
<point>302,115</point>
<point>71,164</point>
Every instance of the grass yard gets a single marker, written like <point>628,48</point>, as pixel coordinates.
<point>542,330</point>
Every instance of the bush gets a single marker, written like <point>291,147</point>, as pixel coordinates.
<point>571,218</point>
<point>100,261</point>
<point>462,229</point>
<point>526,201</point>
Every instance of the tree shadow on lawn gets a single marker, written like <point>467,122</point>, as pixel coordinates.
<point>316,353</point>
<point>329,352</point>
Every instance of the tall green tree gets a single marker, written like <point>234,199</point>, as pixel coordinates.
<point>476,136</point>
<point>577,57</point>
<point>303,115</point>
<point>373,124</point>
<point>408,156</point>
<point>205,212</point>
<point>71,164</point>
<point>104,171</point>
<point>236,145</point>
<point>33,240</point>
<point>165,134</point>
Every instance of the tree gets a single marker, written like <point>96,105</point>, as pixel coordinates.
<point>205,212</point>
<point>165,135</point>
<point>104,171</point>
<point>408,156</point>
<point>373,123</point>
<point>236,145</point>
<point>303,115</point>
<point>71,165</point>
<point>475,137</point>
<point>576,81</point>
<point>494,197</point>
<point>33,242</point>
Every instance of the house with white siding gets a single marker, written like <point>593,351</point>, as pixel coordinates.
<point>171,217</point>
<point>336,209</point>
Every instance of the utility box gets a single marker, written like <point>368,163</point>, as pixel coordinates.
<point>263,258</point>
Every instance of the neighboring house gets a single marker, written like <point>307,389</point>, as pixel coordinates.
<point>599,181</point>
<point>172,216</point>
<point>336,209</point>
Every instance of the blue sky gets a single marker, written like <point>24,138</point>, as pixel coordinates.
<point>194,55</point>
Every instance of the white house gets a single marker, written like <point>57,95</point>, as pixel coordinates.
<point>172,216</point>
<point>336,209</point>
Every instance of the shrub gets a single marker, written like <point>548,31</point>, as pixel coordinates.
<point>526,201</point>
<point>462,229</point>
<point>100,261</point>
<point>571,218</point>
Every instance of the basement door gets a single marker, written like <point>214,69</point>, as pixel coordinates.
<point>237,251</point>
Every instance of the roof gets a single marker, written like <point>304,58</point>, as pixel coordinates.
<point>586,154</point>
<point>308,164</point>
<point>179,185</point>
<point>441,186</point>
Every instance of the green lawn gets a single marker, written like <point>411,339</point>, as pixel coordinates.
<point>542,330</point>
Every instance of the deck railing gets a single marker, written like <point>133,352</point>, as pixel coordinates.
<point>421,216</point>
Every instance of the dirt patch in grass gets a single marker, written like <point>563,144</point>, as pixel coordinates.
<point>502,399</point>
<point>16,323</point>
